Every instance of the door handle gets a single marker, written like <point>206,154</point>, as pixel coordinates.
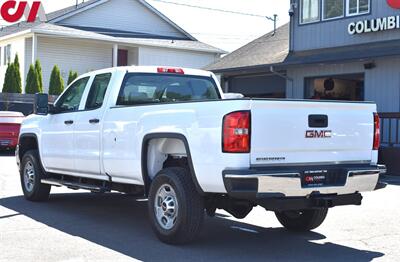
<point>318,121</point>
<point>68,122</point>
<point>94,121</point>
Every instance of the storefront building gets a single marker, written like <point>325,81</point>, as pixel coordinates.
<point>352,48</point>
<point>331,49</point>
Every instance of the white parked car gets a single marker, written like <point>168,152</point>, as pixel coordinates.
<point>170,135</point>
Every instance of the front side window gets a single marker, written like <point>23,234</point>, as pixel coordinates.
<point>333,9</point>
<point>309,11</point>
<point>97,91</point>
<point>70,100</point>
<point>159,88</point>
<point>358,7</point>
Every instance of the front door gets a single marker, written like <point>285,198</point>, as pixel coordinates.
<point>87,132</point>
<point>122,57</point>
<point>57,149</point>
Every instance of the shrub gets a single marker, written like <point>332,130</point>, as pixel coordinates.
<point>56,85</point>
<point>38,69</point>
<point>7,80</point>
<point>72,76</point>
<point>32,81</point>
<point>17,75</point>
<point>11,80</point>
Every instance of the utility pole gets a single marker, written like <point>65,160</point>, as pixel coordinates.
<point>273,19</point>
<point>77,3</point>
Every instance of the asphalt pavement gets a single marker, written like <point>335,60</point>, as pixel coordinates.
<point>80,226</point>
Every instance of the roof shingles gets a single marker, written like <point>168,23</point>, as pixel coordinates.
<point>269,49</point>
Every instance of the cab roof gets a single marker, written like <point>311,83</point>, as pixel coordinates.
<point>150,69</point>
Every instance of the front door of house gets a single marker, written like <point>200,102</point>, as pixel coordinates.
<point>122,57</point>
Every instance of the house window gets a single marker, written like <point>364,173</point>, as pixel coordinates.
<point>7,54</point>
<point>357,7</point>
<point>332,9</point>
<point>309,11</point>
<point>339,87</point>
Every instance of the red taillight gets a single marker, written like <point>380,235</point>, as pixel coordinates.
<point>170,70</point>
<point>377,132</point>
<point>236,132</point>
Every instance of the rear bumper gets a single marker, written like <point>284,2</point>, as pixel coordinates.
<point>287,182</point>
<point>8,142</point>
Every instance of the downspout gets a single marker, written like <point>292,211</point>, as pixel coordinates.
<point>292,20</point>
<point>287,78</point>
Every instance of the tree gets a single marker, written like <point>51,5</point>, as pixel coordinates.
<point>56,82</point>
<point>7,80</point>
<point>38,69</point>
<point>17,73</point>
<point>10,80</point>
<point>72,76</point>
<point>32,81</point>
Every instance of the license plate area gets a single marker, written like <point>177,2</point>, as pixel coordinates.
<point>323,178</point>
<point>5,142</point>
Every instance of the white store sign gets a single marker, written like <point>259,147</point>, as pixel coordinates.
<point>374,25</point>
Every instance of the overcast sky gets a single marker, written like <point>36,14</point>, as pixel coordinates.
<point>223,30</point>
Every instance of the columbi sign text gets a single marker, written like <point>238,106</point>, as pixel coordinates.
<point>377,24</point>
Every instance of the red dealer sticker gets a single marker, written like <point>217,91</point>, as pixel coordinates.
<point>394,3</point>
<point>13,11</point>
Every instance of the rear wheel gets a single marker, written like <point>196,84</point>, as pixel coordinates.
<point>303,220</point>
<point>31,173</point>
<point>175,208</point>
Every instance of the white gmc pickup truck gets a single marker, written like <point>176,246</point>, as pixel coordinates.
<point>172,136</point>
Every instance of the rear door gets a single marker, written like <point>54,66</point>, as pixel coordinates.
<point>302,132</point>
<point>87,135</point>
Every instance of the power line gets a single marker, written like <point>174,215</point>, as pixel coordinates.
<point>273,18</point>
<point>212,9</point>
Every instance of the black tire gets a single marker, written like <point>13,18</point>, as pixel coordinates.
<point>190,206</point>
<point>35,191</point>
<point>302,221</point>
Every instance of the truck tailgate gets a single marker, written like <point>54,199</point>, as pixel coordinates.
<point>307,132</point>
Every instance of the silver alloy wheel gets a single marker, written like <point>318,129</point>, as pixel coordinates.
<point>166,207</point>
<point>29,176</point>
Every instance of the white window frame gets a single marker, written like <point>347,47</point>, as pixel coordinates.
<point>358,8</point>
<point>332,18</point>
<point>7,54</point>
<point>301,14</point>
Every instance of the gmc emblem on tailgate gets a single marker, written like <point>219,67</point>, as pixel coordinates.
<point>318,134</point>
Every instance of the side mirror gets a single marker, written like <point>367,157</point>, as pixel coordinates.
<point>52,109</point>
<point>41,104</point>
<point>233,96</point>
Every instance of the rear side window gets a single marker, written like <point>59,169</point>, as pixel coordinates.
<point>163,88</point>
<point>98,91</point>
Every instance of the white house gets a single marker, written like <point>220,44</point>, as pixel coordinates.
<point>99,34</point>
